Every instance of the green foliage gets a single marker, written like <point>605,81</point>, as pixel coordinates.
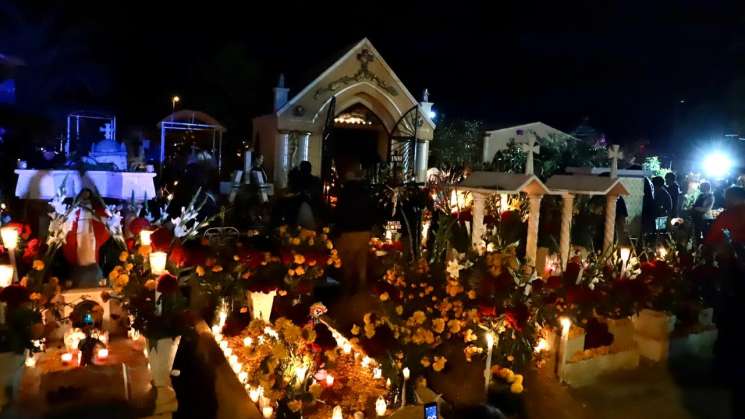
<point>652,164</point>
<point>457,142</point>
<point>556,154</point>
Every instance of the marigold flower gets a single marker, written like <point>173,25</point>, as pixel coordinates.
<point>38,265</point>
<point>472,294</point>
<point>399,310</point>
<point>299,259</point>
<point>355,330</point>
<point>217,268</point>
<point>385,296</point>
<point>425,361</point>
<point>439,363</point>
<point>200,270</point>
<point>516,388</point>
<point>438,325</point>
<point>150,284</point>
<point>299,271</point>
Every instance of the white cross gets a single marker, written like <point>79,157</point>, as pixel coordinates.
<point>531,148</point>
<point>108,131</point>
<point>614,153</point>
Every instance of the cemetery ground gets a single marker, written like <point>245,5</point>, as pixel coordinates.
<point>682,388</point>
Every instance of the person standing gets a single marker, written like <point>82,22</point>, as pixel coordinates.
<point>731,219</point>
<point>663,204</point>
<point>354,221</point>
<point>673,188</point>
<point>701,210</point>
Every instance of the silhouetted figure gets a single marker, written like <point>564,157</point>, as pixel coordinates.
<point>354,219</point>
<point>671,184</point>
<point>648,208</point>
<point>663,204</point>
<point>701,211</point>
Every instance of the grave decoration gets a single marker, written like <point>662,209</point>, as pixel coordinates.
<point>303,371</point>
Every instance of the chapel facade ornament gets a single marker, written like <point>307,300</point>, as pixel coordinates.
<point>365,57</point>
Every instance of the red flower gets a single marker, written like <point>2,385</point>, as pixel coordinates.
<point>167,284</point>
<point>137,225</point>
<point>486,311</point>
<point>24,230</point>
<point>31,251</point>
<point>517,316</point>
<point>177,256</point>
<point>161,240</point>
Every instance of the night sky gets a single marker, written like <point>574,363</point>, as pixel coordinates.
<point>625,67</point>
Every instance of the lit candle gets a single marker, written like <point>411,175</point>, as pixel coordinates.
<point>365,361</point>
<point>10,237</point>
<point>337,413</point>
<point>224,345</point>
<point>227,351</point>
<point>248,341</point>
<point>267,411</point>
<point>625,255</point>
<point>216,331</point>
<point>254,394</point>
<point>300,372</point>
<point>380,406</point>
<point>566,324</point>
<point>329,380</point>
<point>243,377</point>
<point>158,262</point>
<point>489,348</point>
<point>377,373</point>
<point>541,346</point>
<point>6,275</point>
<point>66,358</point>
<point>662,252</point>
<point>406,374</point>
<point>145,237</point>
<point>10,241</point>
<point>346,347</point>
<point>103,354</point>
<point>30,359</point>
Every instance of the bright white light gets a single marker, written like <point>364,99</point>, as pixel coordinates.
<point>717,165</point>
<point>432,114</point>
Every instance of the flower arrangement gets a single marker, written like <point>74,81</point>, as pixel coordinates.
<point>155,303</point>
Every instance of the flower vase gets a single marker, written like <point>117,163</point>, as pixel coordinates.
<point>161,357</point>
<point>261,304</point>
<point>11,365</point>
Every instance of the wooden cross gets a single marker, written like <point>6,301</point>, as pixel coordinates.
<point>108,131</point>
<point>614,153</point>
<point>531,148</point>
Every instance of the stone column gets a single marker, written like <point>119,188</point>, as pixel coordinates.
<point>303,146</point>
<point>531,243</point>
<point>281,160</point>
<point>610,221</point>
<point>422,158</point>
<point>477,223</point>
<point>567,210</point>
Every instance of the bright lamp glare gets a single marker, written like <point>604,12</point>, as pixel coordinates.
<point>717,165</point>
<point>432,114</point>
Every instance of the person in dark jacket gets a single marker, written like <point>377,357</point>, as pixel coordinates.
<point>673,188</point>
<point>354,220</point>
<point>663,204</point>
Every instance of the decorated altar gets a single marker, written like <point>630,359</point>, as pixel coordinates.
<point>46,184</point>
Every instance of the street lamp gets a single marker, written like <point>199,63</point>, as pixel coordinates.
<point>174,100</point>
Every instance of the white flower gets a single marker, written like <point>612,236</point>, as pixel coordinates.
<point>454,268</point>
<point>58,205</point>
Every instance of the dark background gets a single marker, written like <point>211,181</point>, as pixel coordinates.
<point>668,72</point>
